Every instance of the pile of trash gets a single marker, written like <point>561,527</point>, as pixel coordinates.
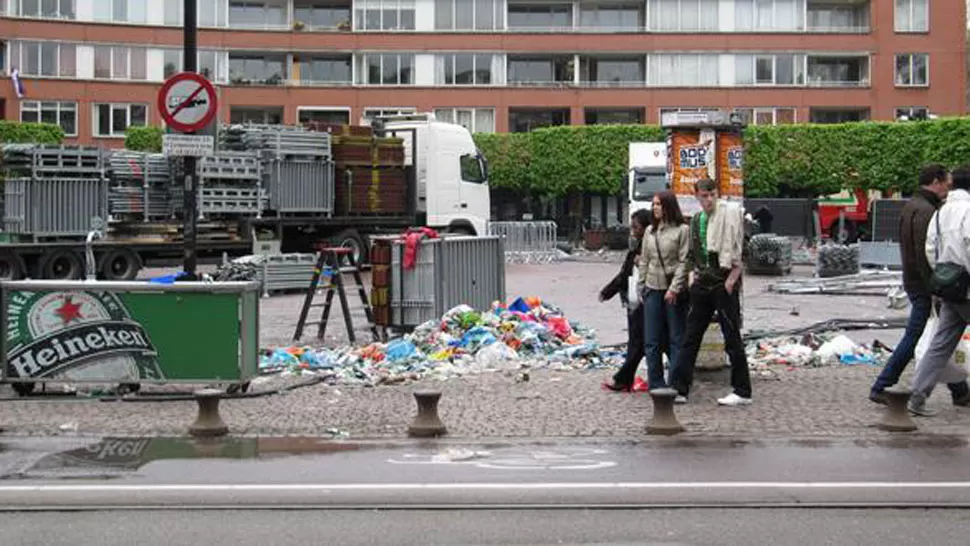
<point>812,350</point>
<point>528,334</point>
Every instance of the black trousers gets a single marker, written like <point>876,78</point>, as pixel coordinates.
<point>636,347</point>
<point>704,301</point>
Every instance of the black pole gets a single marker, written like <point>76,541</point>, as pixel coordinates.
<point>190,204</point>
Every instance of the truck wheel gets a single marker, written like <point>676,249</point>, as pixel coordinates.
<point>61,265</point>
<point>350,238</point>
<point>119,264</point>
<point>12,266</point>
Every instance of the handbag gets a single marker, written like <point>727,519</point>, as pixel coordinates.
<point>949,281</point>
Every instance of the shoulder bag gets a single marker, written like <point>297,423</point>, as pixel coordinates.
<point>949,281</point>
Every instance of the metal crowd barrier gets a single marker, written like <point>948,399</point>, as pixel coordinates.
<point>527,242</point>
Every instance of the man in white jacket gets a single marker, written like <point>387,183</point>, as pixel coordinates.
<point>947,241</point>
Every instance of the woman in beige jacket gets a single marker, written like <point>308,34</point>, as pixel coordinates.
<point>663,283</point>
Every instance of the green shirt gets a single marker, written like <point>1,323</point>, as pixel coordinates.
<point>702,229</point>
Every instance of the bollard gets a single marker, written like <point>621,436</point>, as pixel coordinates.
<point>897,418</point>
<point>427,424</point>
<point>664,421</point>
<point>208,423</point>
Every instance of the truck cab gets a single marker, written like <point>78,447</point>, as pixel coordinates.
<point>647,173</point>
<point>451,173</point>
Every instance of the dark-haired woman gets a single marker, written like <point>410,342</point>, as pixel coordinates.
<point>663,269</point>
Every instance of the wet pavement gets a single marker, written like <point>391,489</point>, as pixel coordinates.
<point>903,470</point>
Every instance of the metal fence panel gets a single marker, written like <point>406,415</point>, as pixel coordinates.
<point>472,272</point>
<point>885,219</point>
<point>527,242</point>
<point>46,207</point>
<point>413,294</point>
<point>880,254</point>
<point>301,186</point>
<point>792,217</point>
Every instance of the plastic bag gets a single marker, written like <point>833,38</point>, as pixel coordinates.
<point>956,368</point>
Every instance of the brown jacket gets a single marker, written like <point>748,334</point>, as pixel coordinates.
<point>913,223</point>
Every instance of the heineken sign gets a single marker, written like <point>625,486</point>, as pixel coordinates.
<point>146,336</point>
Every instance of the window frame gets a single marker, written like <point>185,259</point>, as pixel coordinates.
<point>649,23</point>
<point>361,7</point>
<point>363,68</point>
<point>60,108</point>
<point>474,110</point>
<point>909,111</point>
<point>911,71</point>
<point>773,110</point>
<point>498,17</point>
<point>910,3</point>
<point>341,109</point>
<point>17,50</point>
<point>111,108</point>
<point>59,16</point>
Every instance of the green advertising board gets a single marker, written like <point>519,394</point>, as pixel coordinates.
<point>129,332</point>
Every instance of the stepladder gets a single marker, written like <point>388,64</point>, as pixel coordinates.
<point>330,271</point>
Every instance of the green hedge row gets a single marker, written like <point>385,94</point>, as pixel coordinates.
<point>144,139</point>
<point>803,158</point>
<point>38,133</point>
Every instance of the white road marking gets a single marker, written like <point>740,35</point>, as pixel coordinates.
<point>91,488</point>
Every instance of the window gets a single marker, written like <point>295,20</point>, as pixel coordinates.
<point>468,14</point>
<point>322,13</point>
<point>769,70</point>
<point>611,16</point>
<point>523,120</point>
<point>120,63</point>
<point>122,11</point>
<point>838,17</point>
<point>542,16</point>
<point>326,69</point>
<point>476,120</point>
<point>838,115</point>
<point>56,113</point>
<point>540,70</point>
<point>837,71</point>
<point>210,13</point>
<point>684,70</point>
<point>684,15</point>
<point>768,15</point>
<point>613,71</point>
<point>257,14</point>
<point>259,70</point>
<point>912,70</point>
<point>335,116</point>
<point>208,63</point>
<point>385,15</point>
<point>912,113</point>
<point>610,116</point>
<point>767,116</point>
<point>44,59</point>
<point>173,12</point>
<point>471,168</point>
<point>112,120</point>
<point>386,69</point>
<point>47,9</point>
<point>912,16</point>
<point>466,69</point>
<point>371,113</point>
<point>255,114</point>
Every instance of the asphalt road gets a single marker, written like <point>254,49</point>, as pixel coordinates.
<point>522,527</point>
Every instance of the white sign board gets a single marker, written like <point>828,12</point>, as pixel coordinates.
<point>188,145</point>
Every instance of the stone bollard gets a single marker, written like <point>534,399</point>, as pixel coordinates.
<point>664,421</point>
<point>897,418</point>
<point>208,423</point>
<point>427,424</point>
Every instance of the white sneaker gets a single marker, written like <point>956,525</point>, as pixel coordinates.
<point>681,399</point>
<point>733,400</point>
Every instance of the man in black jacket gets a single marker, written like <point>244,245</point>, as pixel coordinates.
<point>636,343</point>
<point>934,182</point>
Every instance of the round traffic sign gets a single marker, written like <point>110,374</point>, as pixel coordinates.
<point>187,102</point>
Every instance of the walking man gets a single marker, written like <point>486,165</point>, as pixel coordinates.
<point>934,183</point>
<point>717,235</point>
<point>946,242</point>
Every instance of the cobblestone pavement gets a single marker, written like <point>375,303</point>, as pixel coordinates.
<point>819,402</point>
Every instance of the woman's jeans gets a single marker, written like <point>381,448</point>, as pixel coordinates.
<point>663,329</point>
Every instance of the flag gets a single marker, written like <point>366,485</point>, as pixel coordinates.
<point>18,86</point>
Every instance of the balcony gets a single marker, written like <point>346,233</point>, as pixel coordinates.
<point>257,69</point>
<point>837,71</point>
<point>324,70</point>
<point>322,15</point>
<point>838,16</point>
<point>618,17</point>
<point>259,14</point>
<point>613,71</point>
<point>549,70</point>
<point>539,17</point>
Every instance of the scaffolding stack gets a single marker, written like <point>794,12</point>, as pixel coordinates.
<point>140,186</point>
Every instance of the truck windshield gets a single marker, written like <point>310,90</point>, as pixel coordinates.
<point>646,183</point>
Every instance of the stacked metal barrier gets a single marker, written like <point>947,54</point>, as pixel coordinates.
<point>231,183</point>
<point>53,190</point>
<point>527,242</point>
<point>298,170</point>
<point>140,185</point>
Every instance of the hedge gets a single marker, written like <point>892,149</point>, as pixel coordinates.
<point>144,139</point>
<point>24,133</point>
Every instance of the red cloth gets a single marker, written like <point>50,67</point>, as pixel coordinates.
<point>411,239</point>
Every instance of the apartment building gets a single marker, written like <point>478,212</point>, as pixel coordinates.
<point>95,66</point>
